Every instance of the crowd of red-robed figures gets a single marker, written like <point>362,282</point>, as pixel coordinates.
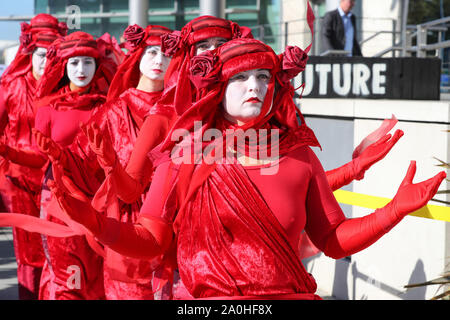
<point>102,209</point>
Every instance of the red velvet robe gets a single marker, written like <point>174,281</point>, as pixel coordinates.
<point>237,237</point>
<point>20,186</point>
<point>126,278</point>
<point>73,270</point>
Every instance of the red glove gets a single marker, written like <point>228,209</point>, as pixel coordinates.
<point>47,146</point>
<point>100,143</point>
<point>411,197</point>
<point>354,235</point>
<point>374,153</point>
<point>140,168</point>
<point>129,188</point>
<point>355,169</point>
<point>144,240</point>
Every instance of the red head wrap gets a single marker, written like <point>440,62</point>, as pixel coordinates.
<point>182,46</point>
<point>211,71</point>
<point>76,44</point>
<point>128,74</point>
<point>41,32</point>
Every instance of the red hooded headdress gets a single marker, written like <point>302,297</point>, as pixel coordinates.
<point>76,44</point>
<point>210,73</point>
<point>41,32</point>
<point>128,74</point>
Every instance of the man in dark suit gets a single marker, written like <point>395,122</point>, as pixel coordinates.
<point>338,30</point>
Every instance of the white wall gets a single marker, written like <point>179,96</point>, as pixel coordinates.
<point>294,11</point>
<point>378,16</point>
<point>416,249</point>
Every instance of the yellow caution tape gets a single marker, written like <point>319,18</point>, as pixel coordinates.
<point>372,202</point>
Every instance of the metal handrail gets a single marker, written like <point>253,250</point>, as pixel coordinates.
<point>378,33</point>
<point>435,22</point>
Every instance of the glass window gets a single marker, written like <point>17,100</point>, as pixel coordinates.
<point>85,5</point>
<point>40,6</point>
<point>57,6</point>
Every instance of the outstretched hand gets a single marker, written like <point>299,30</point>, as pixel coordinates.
<point>100,143</point>
<point>47,146</point>
<point>411,197</point>
<point>374,153</point>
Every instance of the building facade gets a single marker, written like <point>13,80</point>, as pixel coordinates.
<point>100,16</point>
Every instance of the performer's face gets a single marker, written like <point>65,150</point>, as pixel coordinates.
<point>81,70</point>
<point>244,95</point>
<point>154,63</point>
<point>209,44</point>
<point>38,60</point>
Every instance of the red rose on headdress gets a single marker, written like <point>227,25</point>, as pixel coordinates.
<point>25,40</point>
<point>170,42</point>
<point>235,31</point>
<point>294,62</point>
<point>24,27</point>
<point>202,69</point>
<point>134,35</point>
<point>202,64</point>
<point>62,27</point>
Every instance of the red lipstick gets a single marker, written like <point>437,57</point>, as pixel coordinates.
<point>253,100</point>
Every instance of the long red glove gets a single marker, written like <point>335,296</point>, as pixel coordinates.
<point>47,146</point>
<point>145,240</point>
<point>101,144</point>
<point>152,133</point>
<point>355,169</point>
<point>354,235</point>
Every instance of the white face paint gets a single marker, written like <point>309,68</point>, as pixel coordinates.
<point>81,70</point>
<point>209,44</point>
<point>154,63</point>
<point>38,60</point>
<point>244,95</point>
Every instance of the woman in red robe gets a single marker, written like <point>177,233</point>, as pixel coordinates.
<point>20,185</point>
<point>135,89</point>
<point>233,212</point>
<point>74,84</point>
